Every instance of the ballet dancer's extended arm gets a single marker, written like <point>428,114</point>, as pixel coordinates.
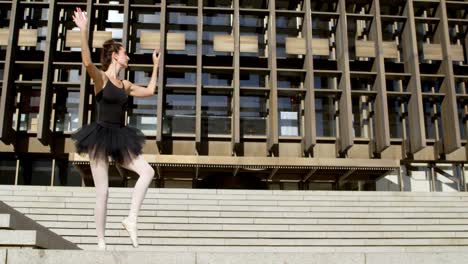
<point>97,75</point>
<point>139,91</point>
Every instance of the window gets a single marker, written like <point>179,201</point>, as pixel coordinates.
<point>180,114</point>
<point>288,111</point>
<point>252,115</point>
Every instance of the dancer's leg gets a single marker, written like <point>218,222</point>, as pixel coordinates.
<point>99,169</point>
<point>146,173</point>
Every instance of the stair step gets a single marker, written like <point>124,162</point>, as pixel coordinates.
<point>233,194</point>
<point>162,257</point>
<point>255,214</point>
<point>5,221</point>
<point>262,221</point>
<point>58,189</point>
<point>283,242</point>
<point>292,228</point>
<point>272,249</point>
<point>117,202</point>
<point>275,193</point>
<point>28,238</point>
<point>247,208</point>
<point>258,233</point>
<point>310,197</point>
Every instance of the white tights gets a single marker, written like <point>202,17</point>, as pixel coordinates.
<point>99,169</point>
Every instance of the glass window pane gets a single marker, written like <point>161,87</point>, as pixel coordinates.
<point>66,112</point>
<point>217,79</point>
<point>428,119</point>
<point>216,114</point>
<point>181,77</point>
<point>253,26</point>
<point>66,174</point>
<point>252,115</point>
<point>361,116</point>
<point>395,115</point>
<point>215,24</point>
<point>147,20</point>
<point>288,116</point>
<point>287,27</point>
<point>7,171</point>
<point>180,114</point>
<point>462,119</point>
<point>29,110</point>
<point>325,116</point>
<point>142,114</point>
<point>253,79</point>
<point>217,3</point>
<point>35,172</point>
<point>291,79</point>
<point>185,23</point>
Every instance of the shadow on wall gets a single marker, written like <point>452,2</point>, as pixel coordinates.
<point>390,182</point>
<point>446,181</point>
<point>419,179</point>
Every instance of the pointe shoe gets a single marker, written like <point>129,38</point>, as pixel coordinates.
<point>102,245</point>
<point>132,231</point>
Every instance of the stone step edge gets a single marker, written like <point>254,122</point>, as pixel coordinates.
<point>230,191</point>
<point>28,256</point>
<point>200,196</point>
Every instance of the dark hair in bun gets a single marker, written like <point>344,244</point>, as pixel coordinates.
<point>110,46</point>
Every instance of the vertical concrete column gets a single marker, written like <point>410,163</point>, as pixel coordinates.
<point>346,131</point>
<point>126,41</point>
<point>466,46</point>
<point>198,95</point>
<point>43,129</point>
<point>382,129</point>
<point>162,50</point>
<point>7,101</point>
<point>272,127</point>
<point>432,174</point>
<point>401,182</point>
<point>235,120</point>
<point>449,114</point>
<point>126,24</point>
<point>417,134</point>
<point>463,178</point>
<point>309,138</point>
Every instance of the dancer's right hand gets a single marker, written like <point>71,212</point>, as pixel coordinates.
<point>80,19</point>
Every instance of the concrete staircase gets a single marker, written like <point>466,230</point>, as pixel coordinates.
<point>191,220</point>
<point>19,231</point>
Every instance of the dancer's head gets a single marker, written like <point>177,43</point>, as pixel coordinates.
<point>113,52</point>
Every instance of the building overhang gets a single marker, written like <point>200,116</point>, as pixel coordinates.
<point>277,168</point>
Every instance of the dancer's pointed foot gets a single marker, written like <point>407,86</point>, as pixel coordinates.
<point>102,245</point>
<point>131,228</point>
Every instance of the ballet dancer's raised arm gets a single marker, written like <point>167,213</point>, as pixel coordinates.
<point>139,91</point>
<point>97,75</point>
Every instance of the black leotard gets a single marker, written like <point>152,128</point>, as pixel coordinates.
<point>111,105</point>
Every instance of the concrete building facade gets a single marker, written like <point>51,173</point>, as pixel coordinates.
<point>340,95</point>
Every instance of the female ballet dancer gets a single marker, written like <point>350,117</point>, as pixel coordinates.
<point>109,136</point>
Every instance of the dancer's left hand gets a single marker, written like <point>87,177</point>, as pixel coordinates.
<point>156,57</point>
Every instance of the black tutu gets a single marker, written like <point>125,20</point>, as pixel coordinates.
<point>122,144</point>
